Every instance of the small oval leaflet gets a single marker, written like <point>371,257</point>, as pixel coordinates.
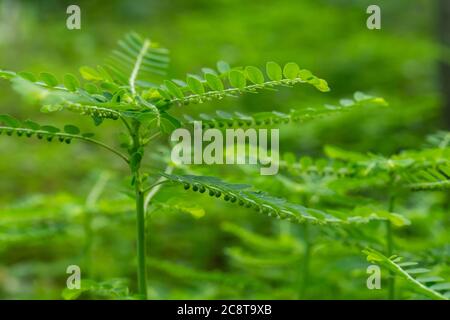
<point>195,85</point>
<point>223,66</point>
<point>91,88</point>
<point>50,129</point>
<point>254,75</point>
<point>273,71</point>
<point>291,70</point>
<point>32,125</point>
<point>71,129</point>
<point>71,82</point>
<point>213,81</point>
<point>237,79</point>
<point>90,74</point>
<point>28,76</point>
<point>173,89</point>
<point>49,79</point>
<point>9,121</point>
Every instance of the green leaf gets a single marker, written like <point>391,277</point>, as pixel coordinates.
<point>70,129</point>
<point>90,74</point>
<point>135,53</point>
<point>408,275</point>
<point>291,70</point>
<point>49,79</point>
<point>50,129</point>
<point>322,86</point>
<point>28,76</point>
<point>173,89</point>
<point>88,135</point>
<point>169,123</point>
<point>223,66</point>
<point>273,71</point>
<point>195,85</point>
<point>254,75</point>
<point>164,94</point>
<point>31,124</point>
<point>214,82</point>
<point>90,88</point>
<point>71,82</point>
<point>9,121</point>
<point>262,202</point>
<point>305,74</point>
<point>237,79</point>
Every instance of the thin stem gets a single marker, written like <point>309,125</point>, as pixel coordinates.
<point>106,147</point>
<point>154,188</point>
<point>154,135</point>
<point>157,183</point>
<point>90,208</point>
<point>390,250</point>
<point>68,135</point>
<point>125,122</point>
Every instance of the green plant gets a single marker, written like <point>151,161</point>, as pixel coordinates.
<point>127,89</point>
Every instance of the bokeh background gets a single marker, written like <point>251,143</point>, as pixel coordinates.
<point>197,251</point>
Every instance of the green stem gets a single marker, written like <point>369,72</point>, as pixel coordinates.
<point>390,250</point>
<point>140,211</point>
<point>67,135</point>
<point>141,247</point>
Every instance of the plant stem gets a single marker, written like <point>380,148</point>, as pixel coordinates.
<point>140,210</point>
<point>141,247</point>
<point>390,250</point>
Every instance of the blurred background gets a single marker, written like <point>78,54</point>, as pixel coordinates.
<point>196,251</point>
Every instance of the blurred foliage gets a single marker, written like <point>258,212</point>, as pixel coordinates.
<point>200,247</point>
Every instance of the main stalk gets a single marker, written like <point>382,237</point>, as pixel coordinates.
<point>141,247</point>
